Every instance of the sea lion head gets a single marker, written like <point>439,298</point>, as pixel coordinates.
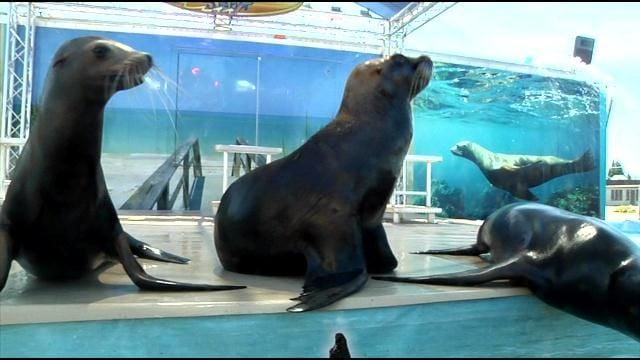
<point>391,79</point>
<point>100,66</point>
<point>464,149</point>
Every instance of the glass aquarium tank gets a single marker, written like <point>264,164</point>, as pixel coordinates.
<point>230,92</point>
<point>508,136</point>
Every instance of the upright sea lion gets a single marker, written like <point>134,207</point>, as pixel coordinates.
<point>517,173</point>
<point>340,350</point>
<point>578,264</point>
<point>319,210</point>
<point>58,220</point>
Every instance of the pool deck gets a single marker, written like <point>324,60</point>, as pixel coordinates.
<point>110,294</point>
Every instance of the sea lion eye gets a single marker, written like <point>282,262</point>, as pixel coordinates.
<point>101,51</point>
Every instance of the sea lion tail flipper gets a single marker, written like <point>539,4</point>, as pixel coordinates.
<point>6,257</point>
<point>146,251</point>
<point>510,269</point>
<point>586,162</point>
<point>325,290</point>
<point>470,250</point>
<point>147,282</point>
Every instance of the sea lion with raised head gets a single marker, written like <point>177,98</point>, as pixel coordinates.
<point>578,264</point>
<point>58,221</point>
<point>340,350</point>
<point>516,174</point>
<point>318,211</point>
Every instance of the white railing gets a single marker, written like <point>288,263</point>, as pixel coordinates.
<point>242,149</point>
<point>398,202</point>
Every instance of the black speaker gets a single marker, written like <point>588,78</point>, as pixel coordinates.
<point>584,48</point>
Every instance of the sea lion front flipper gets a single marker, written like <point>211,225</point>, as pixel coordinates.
<point>511,269</point>
<point>147,282</point>
<point>471,250</point>
<point>524,194</point>
<point>325,290</point>
<point>6,256</point>
<point>336,267</point>
<point>146,251</point>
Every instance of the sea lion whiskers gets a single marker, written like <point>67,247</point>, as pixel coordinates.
<point>167,101</point>
<point>135,68</point>
<point>111,83</point>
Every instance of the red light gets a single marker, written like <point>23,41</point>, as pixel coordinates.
<point>279,36</point>
<point>195,71</point>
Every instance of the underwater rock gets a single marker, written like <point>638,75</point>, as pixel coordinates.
<point>489,201</point>
<point>450,200</point>
<point>583,200</point>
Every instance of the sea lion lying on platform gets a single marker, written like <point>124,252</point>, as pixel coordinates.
<point>318,211</point>
<point>516,174</point>
<point>58,220</point>
<point>576,263</point>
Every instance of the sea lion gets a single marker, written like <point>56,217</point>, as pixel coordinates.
<point>576,263</point>
<point>340,350</point>
<point>517,173</point>
<point>58,220</point>
<point>318,211</point>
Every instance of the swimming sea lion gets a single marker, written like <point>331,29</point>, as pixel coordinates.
<point>578,264</point>
<point>517,173</point>
<point>58,220</point>
<point>319,210</point>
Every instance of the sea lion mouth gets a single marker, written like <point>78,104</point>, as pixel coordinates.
<point>130,74</point>
<point>456,151</point>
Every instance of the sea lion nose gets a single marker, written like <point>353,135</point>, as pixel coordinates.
<point>426,61</point>
<point>149,59</point>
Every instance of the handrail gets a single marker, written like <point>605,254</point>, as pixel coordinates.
<point>239,149</point>
<point>155,190</point>
<point>243,161</point>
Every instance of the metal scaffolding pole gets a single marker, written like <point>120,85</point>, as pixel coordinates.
<point>18,58</point>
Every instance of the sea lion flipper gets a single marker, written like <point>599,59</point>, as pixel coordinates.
<point>146,251</point>
<point>325,290</point>
<point>6,256</point>
<point>377,252</point>
<point>148,282</point>
<point>524,194</point>
<point>510,269</point>
<point>340,350</point>
<point>586,162</point>
<point>336,266</point>
<point>471,250</point>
